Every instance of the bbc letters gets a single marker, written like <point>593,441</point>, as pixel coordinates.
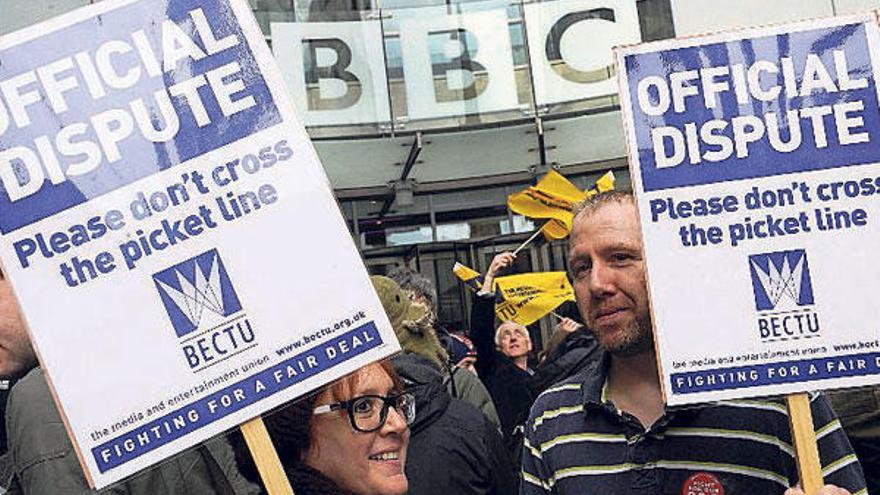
<point>452,64</point>
<point>755,162</point>
<point>159,200</point>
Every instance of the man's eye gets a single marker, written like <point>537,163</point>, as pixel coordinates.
<point>580,270</point>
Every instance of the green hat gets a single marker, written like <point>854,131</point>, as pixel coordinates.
<point>413,323</point>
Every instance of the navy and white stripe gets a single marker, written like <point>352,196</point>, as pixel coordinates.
<point>578,443</point>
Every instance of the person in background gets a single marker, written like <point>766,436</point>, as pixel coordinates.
<point>462,353</point>
<point>423,337</point>
<point>607,430</point>
<point>454,448</point>
<point>41,460</point>
<point>513,340</point>
<point>503,357</point>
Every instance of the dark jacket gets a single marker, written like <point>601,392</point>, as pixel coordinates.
<point>43,461</point>
<point>506,382</point>
<point>514,390</point>
<point>859,412</point>
<point>307,481</point>
<point>575,353</point>
<point>464,385</point>
<point>453,448</point>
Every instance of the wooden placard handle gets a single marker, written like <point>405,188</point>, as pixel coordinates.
<point>804,435</point>
<point>265,457</point>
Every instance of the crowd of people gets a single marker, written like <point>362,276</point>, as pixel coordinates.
<point>477,413</point>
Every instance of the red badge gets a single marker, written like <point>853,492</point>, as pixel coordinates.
<point>702,484</point>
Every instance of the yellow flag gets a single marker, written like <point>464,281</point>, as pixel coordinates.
<point>469,276</point>
<point>530,296</point>
<point>553,197</point>
<point>555,229</point>
<point>606,182</point>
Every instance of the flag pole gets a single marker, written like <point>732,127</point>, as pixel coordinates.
<point>554,313</point>
<point>530,239</point>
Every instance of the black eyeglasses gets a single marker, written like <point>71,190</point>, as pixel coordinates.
<point>368,413</point>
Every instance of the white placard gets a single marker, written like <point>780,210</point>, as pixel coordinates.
<point>342,81</point>
<point>754,157</point>
<point>168,230</point>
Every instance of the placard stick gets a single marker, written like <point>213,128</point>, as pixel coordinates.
<point>265,457</point>
<point>530,239</point>
<point>807,452</point>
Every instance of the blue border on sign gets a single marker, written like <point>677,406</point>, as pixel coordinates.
<point>795,371</point>
<point>199,414</point>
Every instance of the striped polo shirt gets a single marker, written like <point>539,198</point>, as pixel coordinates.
<point>578,443</point>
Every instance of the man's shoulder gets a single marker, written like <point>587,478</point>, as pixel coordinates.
<point>761,420</point>
<point>568,390</point>
<point>760,406</point>
<point>560,403</point>
<point>574,390</point>
<point>751,410</point>
<point>31,385</point>
<point>30,400</point>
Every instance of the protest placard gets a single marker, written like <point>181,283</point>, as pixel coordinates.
<point>754,156</point>
<point>169,232</point>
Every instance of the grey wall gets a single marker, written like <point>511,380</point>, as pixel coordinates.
<point>17,14</point>
<point>705,16</point>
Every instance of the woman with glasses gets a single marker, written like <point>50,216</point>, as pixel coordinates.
<point>350,438</point>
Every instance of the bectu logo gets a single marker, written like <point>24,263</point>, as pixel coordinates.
<point>783,293</point>
<point>204,310</point>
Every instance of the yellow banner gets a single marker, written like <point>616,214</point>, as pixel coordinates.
<point>530,296</point>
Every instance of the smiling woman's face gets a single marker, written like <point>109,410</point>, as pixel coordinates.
<point>363,463</point>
